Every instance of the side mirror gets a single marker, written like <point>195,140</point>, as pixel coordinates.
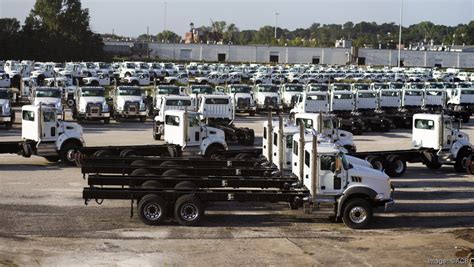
<point>333,167</point>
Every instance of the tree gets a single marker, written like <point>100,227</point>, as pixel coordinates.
<point>168,37</point>
<point>9,35</point>
<point>59,30</point>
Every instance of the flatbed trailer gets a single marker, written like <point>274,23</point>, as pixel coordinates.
<point>165,150</point>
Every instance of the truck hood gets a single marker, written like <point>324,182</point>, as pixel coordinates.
<point>371,178</point>
<point>47,100</point>
<point>122,99</point>
<point>72,127</point>
<point>90,99</point>
<point>357,161</point>
<point>241,95</point>
<point>261,96</point>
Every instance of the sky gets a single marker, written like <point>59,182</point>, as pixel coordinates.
<point>131,17</point>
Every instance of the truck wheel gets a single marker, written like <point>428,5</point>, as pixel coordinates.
<point>128,153</point>
<point>431,161</point>
<point>188,210</point>
<point>213,151</point>
<point>172,172</point>
<point>251,135</point>
<point>252,113</point>
<point>156,135</point>
<point>168,163</point>
<point>143,119</point>
<point>103,153</point>
<point>67,153</point>
<point>70,103</point>
<point>9,125</point>
<point>466,118</point>
<point>139,172</point>
<point>396,167</point>
<point>461,160</point>
<point>139,163</point>
<point>107,120</point>
<point>52,158</point>
<point>377,162</point>
<point>185,185</point>
<point>151,184</point>
<point>357,214</point>
<point>152,209</point>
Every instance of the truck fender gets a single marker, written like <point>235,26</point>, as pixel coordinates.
<point>458,146</point>
<point>66,139</point>
<point>211,141</point>
<point>358,191</point>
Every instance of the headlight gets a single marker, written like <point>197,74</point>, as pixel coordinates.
<point>105,107</point>
<point>142,106</point>
<point>380,196</point>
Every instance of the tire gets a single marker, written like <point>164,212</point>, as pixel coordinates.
<point>67,151</point>
<point>9,125</point>
<point>128,153</point>
<point>466,118</point>
<point>377,162</point>
<point>103,153</point>
<point>212,151</point>
<point>252,113</point>
<point>396,167</point>
<point>431,161</point>
<point>188,210</point>
<point>185,185</point>
<point>107,120</point>
<point>251,139</point>
<point>461,160</point>
<point>168,163</point>
<point>70,103</point>
<point>52,158</point>
<point>143,119</point>
<point>139,163</point>
<point>172,172</point>
<point>151,184</point>
<point>357,213</point>
<point>139,172</point>
<point>152,209</point>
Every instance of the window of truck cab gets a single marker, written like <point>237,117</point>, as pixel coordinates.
<point>172,120</point>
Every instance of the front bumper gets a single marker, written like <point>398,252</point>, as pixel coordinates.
<point>125,113</point>
<point>94,115</point>
<point>5,118</point>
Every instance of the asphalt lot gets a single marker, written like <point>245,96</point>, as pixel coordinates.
<point>43,219</point>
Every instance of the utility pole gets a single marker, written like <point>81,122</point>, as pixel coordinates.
<point>164,27</point>
<point>400,34</point>
<point>276,22</point>
<point>148,42</point>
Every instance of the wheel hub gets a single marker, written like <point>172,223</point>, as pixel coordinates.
<point>152,212</point>
<point>358,214</point>
<point>189,212</point>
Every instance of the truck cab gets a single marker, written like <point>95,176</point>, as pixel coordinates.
<point>461,99</point>
<point>450,145</point>
<point>4,80</point>
<point>139,77</point>
<point>389,99</point>
<point>216,107</point>
<point>48,96</point>
<point>46,136</point>
<point>164,90</point>
<point>7,115</point>
<point>412,99</point>
<point>289,94</point>
<point>129,103</point>
<point>170,102</point>
<point>354,190</point>
<point>311,102</point>
<point>90,104</point>
<point>267,96</point>
<point>99,79</point>
<point>242,98</point>
<point>185,129</point>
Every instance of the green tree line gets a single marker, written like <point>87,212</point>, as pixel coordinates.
<point>55,30</point>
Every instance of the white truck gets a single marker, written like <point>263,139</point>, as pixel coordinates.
<point>185,129</point>
<point>99,79</point>
<point>180,78</point>
<point>42,134</point>
<point>461,99</point>
<point>129,103</point>
<point>139,77</point>
<point>170,102</point>
<point>4,80</point>
<point>90,104</point>
<point>289,94</point>
<point>267,97</point>
<point>48,96</point>
<point>160,92</point>
<point>242,98</point>
<point>7,114</point>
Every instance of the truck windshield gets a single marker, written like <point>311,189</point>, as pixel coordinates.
<point>294,88</point>
<point>130,65</point>
<point>202,90</point>
<point>217,101</point>
<point>178,102</point>
<point>337,87</point>
<point>48,93</point>
<point>362,86</point>
<point>3,95</point>
<point>318,88</point>
<point>129,91</point>
<point>240,89</point>
<point>168,91</point>
<point>367,95</point>
<point>381,86</point>
<point>268,89</point>
<point>92,92</point>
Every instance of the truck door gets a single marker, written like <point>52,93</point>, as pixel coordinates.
<point>328,175</point>
<point>49,126</point>
<point>447,133</point>
<point>194,131</point>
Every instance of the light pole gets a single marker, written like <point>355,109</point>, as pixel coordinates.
<point>276,22</point>
<point>164,18</point>
<point>400,34</point>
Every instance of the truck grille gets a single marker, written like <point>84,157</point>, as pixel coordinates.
<point>131,106</point>
<point>94,108</point>
<point>243,103</point>
<point>270,101</point>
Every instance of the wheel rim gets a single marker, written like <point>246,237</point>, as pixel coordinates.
<point>358,215</point>
<point>70,154</point>
<point>377,165</point>
<point>189,212</point>
<point>152,212</point>
<point>398,166</point>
